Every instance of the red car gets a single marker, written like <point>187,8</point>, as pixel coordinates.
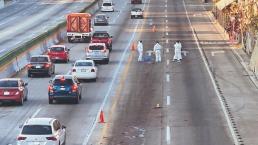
<point>58,53</point>
<point>13,90</point>
<point>102,37</point>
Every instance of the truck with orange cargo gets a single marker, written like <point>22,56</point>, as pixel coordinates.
<point>78,27</point>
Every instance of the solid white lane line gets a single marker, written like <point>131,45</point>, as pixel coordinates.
<point>168,100</point>
<point>167,50</point>
<point>166,26</point>
<point>112,83</point>
<point>168,139</point>
<point>230,125</point>
<point>166,21</point>
<point>167,41</point>
<point>36,113</point>
<point>168,78</point>
<point>166,33</point>
<point>166,5</point>
<point>167,61</point>
<point>166,16</point>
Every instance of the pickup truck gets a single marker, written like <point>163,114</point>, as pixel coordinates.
<point>102,37</point>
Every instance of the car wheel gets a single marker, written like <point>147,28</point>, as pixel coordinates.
<point>70,39</point>
<point>29,75</point>
<point>26,98</point>
<point>50,101</point>
<point>80,97</point>
<point>21,101</point>
<point>53,71</point>
<point>107,61</point>
<point>76,100</point>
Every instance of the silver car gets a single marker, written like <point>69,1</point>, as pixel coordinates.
<point>101,19</point>
<point>98,52</point>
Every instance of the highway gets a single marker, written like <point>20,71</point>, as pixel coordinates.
<point>145,103</point>
<point>77,118</point>
<point>25,19</point>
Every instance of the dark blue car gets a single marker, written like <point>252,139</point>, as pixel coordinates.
<point>64,87</point>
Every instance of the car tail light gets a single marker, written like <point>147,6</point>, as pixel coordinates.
<point>21,138</point>
<point>74,88</point>
<point>93,70</point>
<point>29,65</point>
<point>50,88</point>
<point>47,65</point>
<point>104,50</point>
<point>51,138</point>
<point>74,70</point>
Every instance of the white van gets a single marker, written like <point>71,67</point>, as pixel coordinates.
<point>107,6</point>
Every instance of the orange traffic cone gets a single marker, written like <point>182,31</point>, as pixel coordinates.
<point>154,28</point>
<point>133,47</point>
<point>101,117</point>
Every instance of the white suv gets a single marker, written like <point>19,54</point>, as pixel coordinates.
<point>42,131</point>
<point>107,6</point>
<point>98,52</point>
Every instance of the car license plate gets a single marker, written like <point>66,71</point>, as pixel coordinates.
<point>6,93</point>
<point>83,70</point>
<point>38,66</point>
<point>62,89</point>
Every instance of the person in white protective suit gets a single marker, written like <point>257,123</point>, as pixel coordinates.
<point>140,50</point>
<point>157,50</point>
<point>178,51</point>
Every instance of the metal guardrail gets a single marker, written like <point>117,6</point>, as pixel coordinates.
<point>9,56</point>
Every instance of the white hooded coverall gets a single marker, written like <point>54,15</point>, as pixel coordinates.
<point>157,50</point>
<point>177,55</point>
<point>140,51</point>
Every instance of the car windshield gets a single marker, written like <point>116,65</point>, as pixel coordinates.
<point>100,35</point>
<point>83,64</point>
<point>107,4</point>
<point>100,16</point>
<point>96,47</point>
<point>57,49</point>
<point>63,82</point>
<point>9,83</point>
<point>38,59</point>
<point>36,130</point>
<point>137,10</point>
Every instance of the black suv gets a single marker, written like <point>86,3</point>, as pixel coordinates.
<point>40,64</point>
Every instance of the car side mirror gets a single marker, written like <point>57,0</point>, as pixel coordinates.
<point>68,49</point>
<point>63,127</point>
<point>111,36</point>
<point>25,84</point>
<point>50,81</point>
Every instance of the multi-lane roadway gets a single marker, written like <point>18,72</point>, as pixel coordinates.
<point>144,102</point>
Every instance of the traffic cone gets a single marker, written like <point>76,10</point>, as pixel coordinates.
<point>101,117</point>
<point>154,28</point>
<point>133,47</point>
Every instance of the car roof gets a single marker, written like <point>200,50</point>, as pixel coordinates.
<point>57,46</point>
<point>63,76</point>
<point>94,44</point>
<point>100,32</point>
<point>84,60</point>
<point>101,15</point>
<point>10,79</point>
<point>40,56</point>
<point>39,121</point>
<point>136,9</point>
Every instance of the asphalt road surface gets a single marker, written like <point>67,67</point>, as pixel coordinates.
<point>169,102</point>
<point>26,19</point>
<point>152,103</point>
<point>77,118</point>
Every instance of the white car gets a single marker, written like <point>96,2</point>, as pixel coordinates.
<point>98,52</point>
<point>107,6</point>
<point>136,13</point>
<point>42,131</point>
<point>85,69</point>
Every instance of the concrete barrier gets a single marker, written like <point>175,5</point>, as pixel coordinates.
<point>39,45</point>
